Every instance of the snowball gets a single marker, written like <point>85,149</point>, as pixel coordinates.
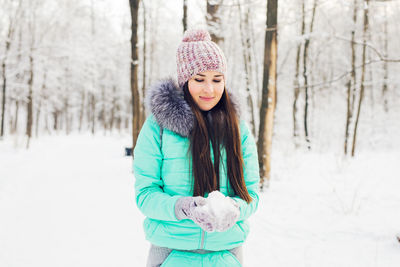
<point>222,208</point>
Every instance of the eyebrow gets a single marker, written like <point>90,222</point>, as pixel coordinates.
<point>202,75</point>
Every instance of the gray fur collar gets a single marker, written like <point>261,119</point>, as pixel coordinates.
<point>166,102</point>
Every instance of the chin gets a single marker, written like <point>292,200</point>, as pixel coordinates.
<point>207,108</point>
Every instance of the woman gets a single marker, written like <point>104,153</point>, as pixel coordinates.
<point>192,144</point>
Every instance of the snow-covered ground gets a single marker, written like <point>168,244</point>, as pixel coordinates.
<point>69,201</point>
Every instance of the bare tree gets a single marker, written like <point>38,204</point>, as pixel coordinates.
<point>32,29</point>
<point>351,94</point>
<point>246,45</point>
<point>305,72</point>
<point>184,19</point>
<point>297,74</point>
<point>13,17</point>
<point>134,6</point>
<point>144,59</point>
<point>362,85</point>
<point>214,21</point>
<point>92,96</point>
<point>268,101</point>
<point>39,107</point>
<point>385,63</point>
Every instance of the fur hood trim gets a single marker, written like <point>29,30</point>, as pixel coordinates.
<point>166,102</point>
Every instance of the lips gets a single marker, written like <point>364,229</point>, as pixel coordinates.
<point>206,98</point>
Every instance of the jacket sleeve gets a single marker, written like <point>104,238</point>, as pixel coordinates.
<point>251,173</point>
<point>152,201</point>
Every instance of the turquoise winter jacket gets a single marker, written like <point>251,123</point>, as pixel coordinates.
<point>161,169</point>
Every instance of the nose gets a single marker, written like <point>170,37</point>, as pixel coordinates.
<point>208,88</point>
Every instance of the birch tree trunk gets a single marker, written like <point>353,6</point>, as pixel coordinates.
<point>134,6</point>
<point>362,86</point>
<point>352,81</point>
<point>268,93</point>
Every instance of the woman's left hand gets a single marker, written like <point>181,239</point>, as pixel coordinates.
<point>229,218</point>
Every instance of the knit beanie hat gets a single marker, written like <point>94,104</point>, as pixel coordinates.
<point>197,53</point>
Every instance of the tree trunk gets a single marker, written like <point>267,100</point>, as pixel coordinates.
<point>245,38</point>
<point>296,78</point>
<point>30,102</point>
<point>3,72</point>
<point>38,110</point>
<point>352,81</point>
<point>19,78</point>
<point>66,115</point>
<point>213,21</point>
<point>143,107</point>
<point>102,115</point>
<point>82,109</point>
<point>134,6</point>
<point>93,111</point>
<point>365,32</point>
<point>89,110</point>
<point>114,106</point>
<point>305,74</point>
<point>46,122</point>
<point>15,125</point>
<point>385,63</point>
<point>268,93</point>
<point>184,19</point>
<point>92,93</point>
<point>55,115</point>
<point>3,102</point>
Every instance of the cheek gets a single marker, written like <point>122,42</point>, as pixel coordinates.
<point>220,90</point>
<point>194,90</point>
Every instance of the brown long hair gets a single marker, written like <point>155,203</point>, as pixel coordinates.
<point>220,126</point>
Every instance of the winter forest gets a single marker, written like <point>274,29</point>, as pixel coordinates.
<point>318,86</point>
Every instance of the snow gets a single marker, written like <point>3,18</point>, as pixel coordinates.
<point>223,208</point>
<point>69,201</point>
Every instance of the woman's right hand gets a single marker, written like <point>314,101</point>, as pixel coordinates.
<point>193,208</point>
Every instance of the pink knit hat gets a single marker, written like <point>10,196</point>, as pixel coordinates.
<point>197,53</point>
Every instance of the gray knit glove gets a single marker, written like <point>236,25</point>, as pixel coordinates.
<point>192,208</point>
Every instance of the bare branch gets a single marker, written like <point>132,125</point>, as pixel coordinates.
<point>343,75</point>
<point>381,57</point>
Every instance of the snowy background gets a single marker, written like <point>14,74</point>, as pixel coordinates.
<point>68,200</point>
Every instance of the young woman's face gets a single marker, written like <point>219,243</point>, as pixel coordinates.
<point>206,89</point>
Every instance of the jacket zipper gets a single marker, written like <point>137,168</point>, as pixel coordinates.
<point>202,239</point>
